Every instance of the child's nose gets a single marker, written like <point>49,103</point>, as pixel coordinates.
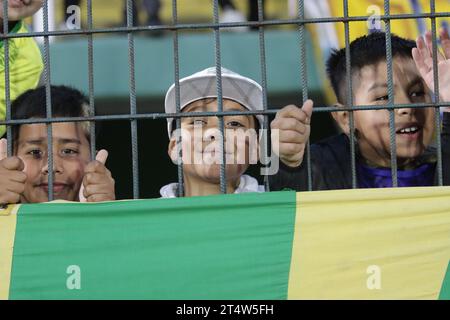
<point>57,167</point>
<point>403,98</point>
<point>211,134</point>
<point>405,111</point>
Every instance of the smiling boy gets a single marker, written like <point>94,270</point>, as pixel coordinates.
<point>24,176</point>
<point>414,127</point>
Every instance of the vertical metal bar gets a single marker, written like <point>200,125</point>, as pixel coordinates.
<point>134,142</point>
<point>218,62</point>
<point>91,79</point>
<point>177,98</point>
<point>349,101</point>
<point>47,77</point>
<point>304,81</point>
<point>391,94</point>
<point>262,53</point>
<point>436,98</point>
<point>7,79</point>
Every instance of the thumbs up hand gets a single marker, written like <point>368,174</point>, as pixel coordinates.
<point>98,183</point>
<point>12,177</point>
<point>294,125</point>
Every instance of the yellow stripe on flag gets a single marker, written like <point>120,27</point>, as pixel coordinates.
<point>371,244</point>
<point>8,218</point>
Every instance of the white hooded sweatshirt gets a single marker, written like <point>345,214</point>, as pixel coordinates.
<point>246,184</point>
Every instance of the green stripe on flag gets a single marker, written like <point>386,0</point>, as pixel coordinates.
<point>218,247</point>
<point>445,291</point>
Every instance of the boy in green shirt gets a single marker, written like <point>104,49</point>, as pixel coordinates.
<point>25,61</point>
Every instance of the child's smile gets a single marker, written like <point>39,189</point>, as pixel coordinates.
<point>70,156</point>
<point>414,127</point>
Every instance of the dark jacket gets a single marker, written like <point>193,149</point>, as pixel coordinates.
<point>331,165</point>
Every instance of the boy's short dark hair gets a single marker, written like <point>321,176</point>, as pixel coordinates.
<point>366,50</point>
<point>66,102</point>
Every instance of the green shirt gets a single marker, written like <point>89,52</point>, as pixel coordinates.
<point>25,67</point>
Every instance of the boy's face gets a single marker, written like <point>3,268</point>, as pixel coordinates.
<point>71,153</point>
<point>200,141</point>
<point>414,127</point>
<point>20,9</point>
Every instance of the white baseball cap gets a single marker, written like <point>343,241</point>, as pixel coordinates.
<point>202,85</point>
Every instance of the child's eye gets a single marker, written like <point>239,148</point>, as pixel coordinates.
<point>198,123</point>
<point>69,152</point>
<point>382,98</point>
<point>418,94</point>
<point>35,153</point>
<point>235,124</point>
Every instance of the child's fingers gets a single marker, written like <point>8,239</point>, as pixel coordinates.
<point>13,164</point>
<point>308,109</point>
<point>291,151</point>
<point>98,185</point>
<point>81,196</point>
<point>102,155</point>
<point>294,112</point>
<point>3,149</point>
<point>420,62</point>
<point>421,49</point>
<point>92,169</point>
<point>9,197</point>
<point>95,166</point>
<point>289,136</point>
<point>15,187</point>
<point>421,45</point>
<point>445,41</point>
<point>429,44</point>
<point>289,124</point>
<point>18,176</point>
<point>96,182</point>
<point>101,197</point>
<point>424,54</point>
<point>96,178</point>
<point>95,189</point>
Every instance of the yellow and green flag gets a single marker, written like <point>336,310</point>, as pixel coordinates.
<point>351,244</point>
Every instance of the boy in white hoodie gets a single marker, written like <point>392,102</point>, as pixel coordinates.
<point>201,138</point>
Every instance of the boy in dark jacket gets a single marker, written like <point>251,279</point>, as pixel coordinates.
<point>414,127</point>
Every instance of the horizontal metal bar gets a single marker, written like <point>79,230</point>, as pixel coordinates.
<point>197,26</point>
<point>146,116</point>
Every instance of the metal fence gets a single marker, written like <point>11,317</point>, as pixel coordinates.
<point>175,27</point>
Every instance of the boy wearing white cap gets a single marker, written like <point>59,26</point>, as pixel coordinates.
<point>200,136</point>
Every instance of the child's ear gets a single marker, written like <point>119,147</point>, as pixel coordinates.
<point>341,117</point>
<point>172,150</point>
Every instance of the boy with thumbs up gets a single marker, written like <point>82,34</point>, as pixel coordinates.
<point>24,176</point>
<point>414,128</point>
